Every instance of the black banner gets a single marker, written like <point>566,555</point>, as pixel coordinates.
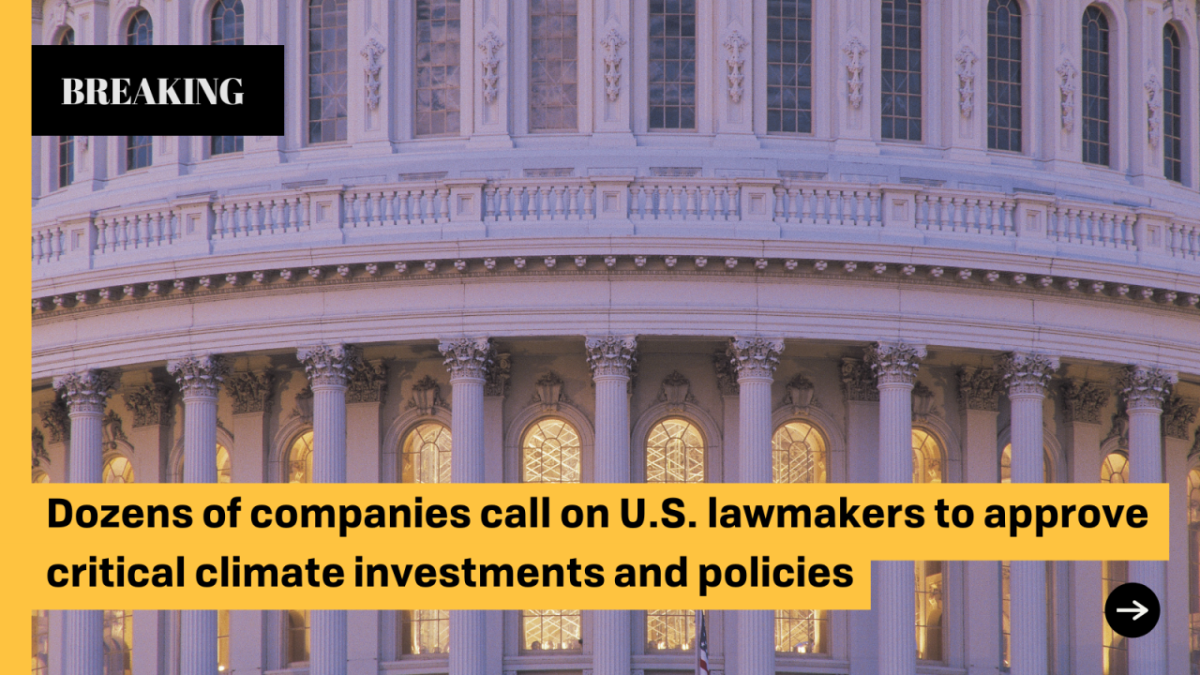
<point>162,90</point>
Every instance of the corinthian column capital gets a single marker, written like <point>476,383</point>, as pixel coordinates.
<point>611,354</point>
<point>895,362</point>
<point>329,365</point>
<point>755,356</point>
<point>1145,387</point>
<point>1026,372</point>
<point>199,375</point>
<point>467,357</point>
<point>85,390</point>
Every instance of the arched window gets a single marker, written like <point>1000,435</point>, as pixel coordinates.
<point>1095,87</point>
<point>327,36</point>
<point>140,29</point>
<point>41,642</point>
<point>901,72</point>
<point>117,470</point>
<point>551,453</point>
<point>672,64</point>
<point>437,68</point>
<point>670,630</point>
<point>930,603</point>
<point>1194,568</point>
<point>224,465</point>
<point>226,27</point>
<point>41,477</point>
<point>553,65</point>
<point>789,66</point>
<point>674,452</point>
<point>222,640</point>
<point>1113,573</point>
<point>67,37</point>
<point>551,630</point>
<point>299,459</point>
<point>1004,75</point>
<point>799,456</point>
<point>425,454</point>
<point>297,637</point>
<point>139,150</point>
<point>423,632</point>
<point>118,642</point>
<point>66,161</point>
<point>1172,105</point>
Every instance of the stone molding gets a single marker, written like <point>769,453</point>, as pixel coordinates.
<point>858,380</point>
<point>1145,386</point>
<point>250,391</point>
<point>979,388</point>
<point>496,383</point>
<point>85,390</point>
<point>755,356</point>
<point>329,365</point>
<point>368,383</point>
<point>1026,372</point>
<point>150,404</point>
<point>726,374</point>
<point>1178,414</point>
<point>467,357</point>
<point>426,396</point>
<point>611,355</point>
<point>199,375</point>
<point>894,362</point>
<point>57,420</point>
<point>1083,401</point>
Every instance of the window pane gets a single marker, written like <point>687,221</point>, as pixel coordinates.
<point>425,457</point>
<point>789,66</point>
<point>670,629</point>
<point>1004,75</point>
<point>138,152</point>
<point>551,453</point>
<point>1113,573</point>
<point>799,454</point>
<point>140,30</point>
<point>299,459</point>
<point>223,640</point>
<point>117,470</point>
<point>929,604</point>
<point>437,68</point>
<point>118,642</point>
<point>423,631</point>
<point>327,70</point>
<point>553,65</point>
<point>1095,87</point>
<point>297,636</point>
<point>1172,105</point>
<point>550,630</point>
<point>227,27</point>
<point>672,66</point>
<point>66,160</point>
<point>68,37</point>
<point>802,631</point>
<point>901,76</point>
<point>674,453</point>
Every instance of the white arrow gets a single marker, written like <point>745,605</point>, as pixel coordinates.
<point>1138,610</point>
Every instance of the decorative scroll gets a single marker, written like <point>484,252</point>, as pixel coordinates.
<point>612,43</point>
<point>854,50</point>
<point>490,45</point>
<point>735,43</point>
<point>372,53</point>
<point>966,59</point>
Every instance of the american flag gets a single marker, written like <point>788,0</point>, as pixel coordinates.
<point>701,647</point>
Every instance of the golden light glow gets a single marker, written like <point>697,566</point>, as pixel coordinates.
<point>551,453</point>
<point>425,456</point>
<point>674,452</point>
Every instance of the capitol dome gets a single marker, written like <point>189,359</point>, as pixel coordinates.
<point>643,240</point>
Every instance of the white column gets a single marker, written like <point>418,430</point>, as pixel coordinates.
<point>1026,375</point>
<point>85,392</point>
<point>755,360</point>
<point>328,368</point>
<point>611,359</point>
<point>467,359</point>
<point>895,368</point>
<point>199,380</point>
<point>1144,390</point>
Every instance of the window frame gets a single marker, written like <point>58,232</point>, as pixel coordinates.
<point>464,92</point>
<point>759,51</point>
<point>1112,86</point>
<point>927,127</point>
<point>1024,115</point>
<point>528,429</point>
<point>1179,95</point>
<point>307,75</point>
<point>580,67</point>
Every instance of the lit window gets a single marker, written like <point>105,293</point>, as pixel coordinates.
<point>551,453</point>
<point>672,65</point>
<point>41,477</point>
<point>140,29</point>
<point>1115,468</point>
<point>1113,573</point>
<point>224,465</point>
<point>297,636</point>
<point>1004,75</point>
<point>799,457</point>
<point>1172,105</point>
<point>437,68</point>
<point>550,630</point>
<point>117,470</point>
<point>1095,86</point>
<point>670,630</point>
<point>68,37</point>
<point>674,453</point>
<point>1194,568</point>
<point>929,601</point>
<point>789,66</point>
<point>227,27</point>
<point>300,459</point>
<point>118,642</point>
<point>66,160</point>
<point>425,456</point>
<point>424,631</point>
<point>222,640</point>
<point>901,73</point>
<point>553,65</point>
<point>327,36</point>
<point>41,642</point>
<point>801,631</point>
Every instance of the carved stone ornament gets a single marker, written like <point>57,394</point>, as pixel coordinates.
<point>755,356</point>
<point>1145,387</point>
<point>368,383</point>
<point>1026,372</point>
<point>965,70</point>
<point>329,365</point>
<point>304,405</point>
<point>675,391</point>
<point>611,355</point>
<point>86,390</point>
<point>60,12</point>
<point>1195,449</point>
<point>895,362</point>
<point>251,392</point>
<point>548,391</point>
<point>372,53</point>
<point>112,430</point>
<point>854,50</point>
<point>498,375</point>
<point>922,401</point>
<point>426,396</point>
<point>1083,401</point>
<point>726,376</point>
<point>490,45</point>
<point>57,421</point>
<point>467,357</point>
<point>1119,429</point>
<point>1178,414</point>
<point>612,43</point>
<point>979,388</point>
<point>799,394</point>
<point>735,43</point>
<point>199,375</point>
<point>39,448</point>
<point>1067,88</point>
<point>1153,110</point>
<point>82,143</point>
<point>858,381</point>
<point>150,405</point>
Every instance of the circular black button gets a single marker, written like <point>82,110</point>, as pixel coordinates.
<point>1132,610</point>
